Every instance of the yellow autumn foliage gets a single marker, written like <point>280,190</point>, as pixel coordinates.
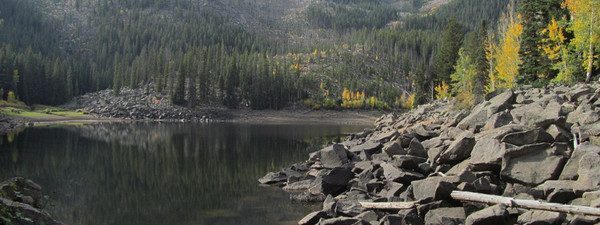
<point>442,91</point>
<point>507,56</point>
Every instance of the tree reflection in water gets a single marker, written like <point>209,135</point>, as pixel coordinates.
<point>164,173</point>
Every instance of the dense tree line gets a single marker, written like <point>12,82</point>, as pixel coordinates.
<point>198,57</point>
<point>536,42</point>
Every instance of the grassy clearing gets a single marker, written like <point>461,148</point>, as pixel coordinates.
<point>40,112</point>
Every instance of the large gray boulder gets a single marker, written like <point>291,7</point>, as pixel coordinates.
<point>339,221</point>
<point>445,216</point>
<point>589,170</point>
<point>487,153</point>
<point>435,188</point>
<point>483,111</point>
<point>528,137</point>
<point>392,173</point>
<point>541,217</point>
<point>570,170</point>
<point>498,120</point>
<point>415,148</point>
<point>313,218</point>
<point>459,150</point>
<point>533,169</point>
<point>273,178</point>
<point>393,148</point>
<point>334,156</point>
<point>336,181</point>
<point>496,215</point>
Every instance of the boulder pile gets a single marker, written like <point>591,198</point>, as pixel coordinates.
<point>140,103</point>
<point>531,143</point>
<point>22,202</point>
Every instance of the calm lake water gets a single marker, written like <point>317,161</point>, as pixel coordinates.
<point>164,173</point>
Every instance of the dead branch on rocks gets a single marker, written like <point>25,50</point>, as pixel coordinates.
<point>523,203</point>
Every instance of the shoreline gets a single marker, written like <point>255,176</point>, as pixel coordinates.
<point>363,118</point>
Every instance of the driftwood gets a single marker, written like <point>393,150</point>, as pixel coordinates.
<point>525,204</point>
<point>388,205</point>
<point>493,199</point>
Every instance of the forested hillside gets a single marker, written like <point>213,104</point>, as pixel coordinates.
<point>272,54</point>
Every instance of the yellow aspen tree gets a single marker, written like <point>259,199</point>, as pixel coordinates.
<point>442,91</point>
<point>490,52</point>
<point>585,24</point>
<point>463,79</point>
<point>555,48</point>
<point>507,57</point>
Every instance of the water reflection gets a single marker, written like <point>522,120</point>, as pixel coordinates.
<point>164,173</point>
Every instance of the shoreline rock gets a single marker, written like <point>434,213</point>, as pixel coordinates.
<point>22,203</point>
<point>534,143</point>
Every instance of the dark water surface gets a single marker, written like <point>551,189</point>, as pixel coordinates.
<point>164,173</point>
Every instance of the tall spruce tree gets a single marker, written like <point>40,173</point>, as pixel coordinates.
<point>536,14</point>
<point>447,52</point>
<point>178,96</point>
<point>475,49</point>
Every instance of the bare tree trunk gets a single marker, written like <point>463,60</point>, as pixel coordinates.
<point>522,203</point>
<point>590,66</point>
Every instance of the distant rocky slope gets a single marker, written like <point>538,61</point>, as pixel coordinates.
<point>22,202</point>
<point>533,143</point>
<point>140,103</point>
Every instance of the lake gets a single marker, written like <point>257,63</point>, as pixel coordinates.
<point>164,173</point>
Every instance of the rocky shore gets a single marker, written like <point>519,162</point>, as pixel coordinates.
<point>139,104</point>
<point>532,143</point>
<point>22,203</point>
<point>8,124</point>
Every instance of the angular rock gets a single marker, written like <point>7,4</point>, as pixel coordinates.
<point>487,153</point>
<point>273,177</point>
<point>393,148</point>
<point>541,217</point>
<point>435,188</point>
<point>476,119</point>
<point>588,172</point>
<point>416,149</point>
<point>408,161</point>
<point>528,137</point>
<point>423,133</point>
<point>501,102</point>
<point>313,218</point>
<point>570,170</point>
<point>367,216</point>
<point>368,148</point>
<point>533,169</point>
<point>513,151</point>
<point>496,215</point>
<point>445,216</point>
<point>559,134</point>
<point>348,207</point>
<point>334,156</point>
<point>459,150</point>
<point>498,120</point>
<point>385,136</point>
<point>339,221</point>
<point>299,185</point>
<point>392,173</point>
<point>336,181</point>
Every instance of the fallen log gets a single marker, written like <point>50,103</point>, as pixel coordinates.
<point>522,203</point>
<point>492,200</point>
<point>388,205</point>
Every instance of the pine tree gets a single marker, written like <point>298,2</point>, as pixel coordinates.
<point>535,15</point>
<point>447,53</point>
<point>178,96</point>
<point>230,99</point>
<point>475,49</point>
